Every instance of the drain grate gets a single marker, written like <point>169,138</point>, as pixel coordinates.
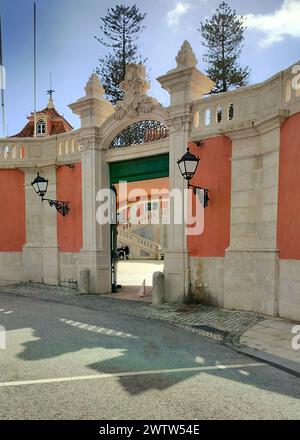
<point>210,330</point>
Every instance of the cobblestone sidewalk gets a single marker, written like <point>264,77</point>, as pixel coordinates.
<point>261,335</point>
<point>209,321</point>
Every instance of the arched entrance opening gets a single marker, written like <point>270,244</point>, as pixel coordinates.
<point>139,237</point>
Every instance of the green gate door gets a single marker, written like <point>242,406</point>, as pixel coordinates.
<point>146,168</point>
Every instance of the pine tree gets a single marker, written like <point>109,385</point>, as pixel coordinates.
<point>223,36</point>
<point>120,29</point>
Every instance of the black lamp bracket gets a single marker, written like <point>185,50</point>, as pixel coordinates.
<point>61,207</point>
<point>203,200</point>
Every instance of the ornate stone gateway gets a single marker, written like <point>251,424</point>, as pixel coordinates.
<point>248,254</point>
<point>143,130</point>
<point>138,134</point>
<point>134,146</point>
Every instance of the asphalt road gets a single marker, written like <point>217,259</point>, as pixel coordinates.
<point>67,362</point>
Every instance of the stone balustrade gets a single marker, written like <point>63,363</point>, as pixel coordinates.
<point>245,107</point>
<point>153,217</point>
<point>28,152</point>
<point>140,242</point>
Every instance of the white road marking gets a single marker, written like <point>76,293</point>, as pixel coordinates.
<point>126,374</point>
<point>6,312</point>
<point>95,329</point>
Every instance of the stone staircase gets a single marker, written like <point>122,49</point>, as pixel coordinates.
<point>147,219</point>
<point>139,247</point>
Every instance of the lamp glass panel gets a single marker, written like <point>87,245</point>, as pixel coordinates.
<point>181,167</point>
<point>43,187</point>
<point>36,187</point>
<point>191,166</point>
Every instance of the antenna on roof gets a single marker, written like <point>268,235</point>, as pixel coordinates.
<point>2,82</point>
<point>50,91</point>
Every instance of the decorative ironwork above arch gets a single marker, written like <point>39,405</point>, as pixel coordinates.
<point>140,132</point>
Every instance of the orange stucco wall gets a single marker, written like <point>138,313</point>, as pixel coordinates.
<point>69,228</point>
<point>12,217</point>
<point>288,226</point>
<point>214,173</point>
<point>146,185</point>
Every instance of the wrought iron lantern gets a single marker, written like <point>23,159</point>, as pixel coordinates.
<point>188,166</point>
<point>40,186</point>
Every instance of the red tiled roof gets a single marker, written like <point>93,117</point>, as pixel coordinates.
<point>58,124</point>
<point>57,127</point>
<point>53,113</point>
<point>28,131</point>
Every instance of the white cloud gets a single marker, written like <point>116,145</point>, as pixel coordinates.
<point>278,25</point>
<point>173,16</point>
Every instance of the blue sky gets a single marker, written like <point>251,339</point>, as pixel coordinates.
<point>66,46</point>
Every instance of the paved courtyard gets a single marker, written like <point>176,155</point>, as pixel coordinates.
<point>133,273</point>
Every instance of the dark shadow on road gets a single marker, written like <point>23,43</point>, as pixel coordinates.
<point>127,344</point>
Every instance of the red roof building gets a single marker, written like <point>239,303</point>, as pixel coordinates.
<point>48,123</point>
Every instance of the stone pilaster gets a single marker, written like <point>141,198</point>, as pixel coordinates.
<point>251,262</point>
<point>93,110</point>
<point>51,263</point>
<point>177,274</point>
<point>33,249</point>
<point>185,83</point>
<point>40,253</point>
<point>95,254</point>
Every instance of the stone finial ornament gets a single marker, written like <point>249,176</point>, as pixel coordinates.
<point>93,88</point>
<point>92,108</point>
<point>186,56</point>
<point>135,87</point>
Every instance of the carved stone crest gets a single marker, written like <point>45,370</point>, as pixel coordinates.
<point>135,87</point>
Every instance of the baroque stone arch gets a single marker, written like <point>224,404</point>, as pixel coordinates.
<point>136,106</point>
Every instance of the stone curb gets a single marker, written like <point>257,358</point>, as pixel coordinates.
<point>282,364</point>
<point>232,341</point>
<point>136,309</point>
